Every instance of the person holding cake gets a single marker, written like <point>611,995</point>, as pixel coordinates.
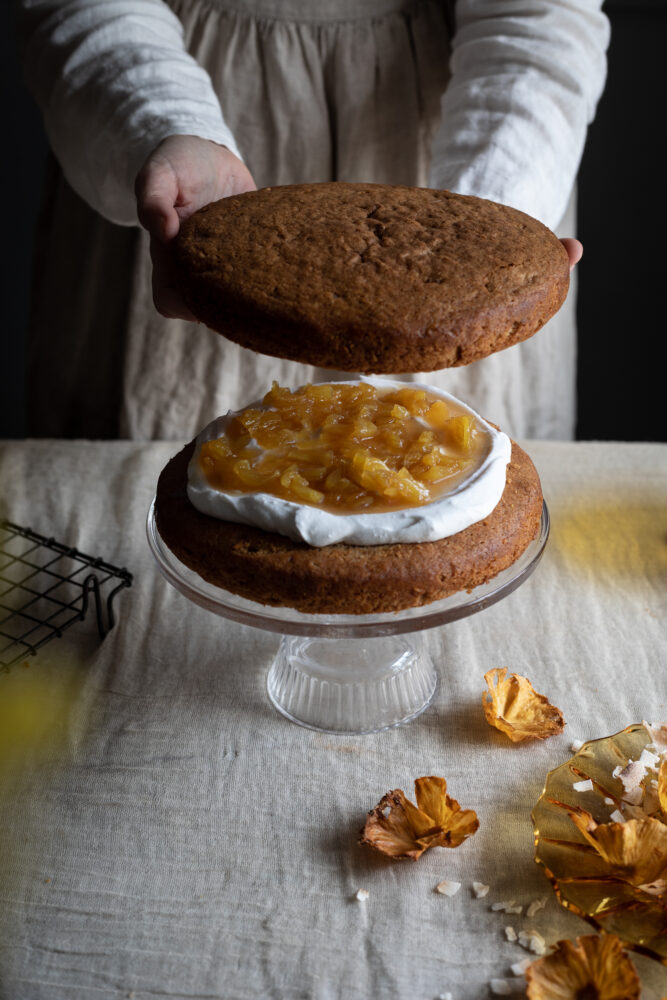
<point>154,109</point>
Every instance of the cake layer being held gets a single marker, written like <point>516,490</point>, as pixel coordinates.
<point>369,277</point>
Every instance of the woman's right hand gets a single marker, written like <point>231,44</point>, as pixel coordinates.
<point>574,250</point>
<point>182,174</point>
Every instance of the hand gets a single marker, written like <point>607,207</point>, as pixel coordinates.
<point>182,174</point>
<point>574,250</point>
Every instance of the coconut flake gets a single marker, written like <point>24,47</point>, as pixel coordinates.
<point>480,889</point>
<point>608,801</point>
<point>617,817</point>
<point>447,887</point>
<point>500,988</point>
<point>536,905</point>
<point>533,941</point>
<point>650,760</point>
<point>583,786</point>
<point>519,968</point>
<point>656,888</point>
<point>630,776</point>
<point>510,933</point>
<point>658,734</point>
<point>509,906</point>
<point>362,895</point>
<point>506,987</point>
<point>577,746</point>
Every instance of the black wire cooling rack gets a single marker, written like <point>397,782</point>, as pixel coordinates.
<point>45,587</point>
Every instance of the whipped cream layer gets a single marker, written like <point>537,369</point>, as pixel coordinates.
<point>470,501</point>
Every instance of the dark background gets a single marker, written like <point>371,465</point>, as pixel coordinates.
<point>621,385</point>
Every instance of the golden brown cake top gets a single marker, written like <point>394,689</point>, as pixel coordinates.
<point>368,277</point>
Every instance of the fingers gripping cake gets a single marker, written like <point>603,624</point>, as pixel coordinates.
<point>349,498</point>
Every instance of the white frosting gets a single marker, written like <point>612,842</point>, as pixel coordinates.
<point>472,499</point>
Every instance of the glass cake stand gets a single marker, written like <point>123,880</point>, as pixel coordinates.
<point>347,674</point>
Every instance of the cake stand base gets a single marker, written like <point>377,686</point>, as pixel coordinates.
<point>350,686</point>
<point>348,674</point>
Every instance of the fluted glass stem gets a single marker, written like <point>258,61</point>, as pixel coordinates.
<point>350,685</point>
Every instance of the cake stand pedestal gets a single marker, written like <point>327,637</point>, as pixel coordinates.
<point>347,674</point>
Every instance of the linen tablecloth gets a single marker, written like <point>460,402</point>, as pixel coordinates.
<point>171,835</point>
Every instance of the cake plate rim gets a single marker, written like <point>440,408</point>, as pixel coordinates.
<point>289,621</point>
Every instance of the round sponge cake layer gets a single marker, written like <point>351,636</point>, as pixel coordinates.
<point>370,277</point>
<point>347,579</point>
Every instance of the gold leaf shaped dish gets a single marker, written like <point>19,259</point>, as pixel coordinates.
<point>584,881</point>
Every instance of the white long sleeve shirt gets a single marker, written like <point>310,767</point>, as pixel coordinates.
<point>113,79</point>
<point>526,79</point>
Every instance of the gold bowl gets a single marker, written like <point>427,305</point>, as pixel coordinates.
<point>581,879</point>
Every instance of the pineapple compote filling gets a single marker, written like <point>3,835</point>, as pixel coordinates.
<point>346,447</point>
<point>372,462</point>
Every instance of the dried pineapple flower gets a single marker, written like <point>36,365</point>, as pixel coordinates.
<point>662,789</point>
<point>636,850</point>
<point>400,830</point>
<point>592,967</point>
<point>513,706</point>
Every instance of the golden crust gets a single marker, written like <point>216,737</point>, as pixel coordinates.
<point>370,277</point>
<point>347,579</point>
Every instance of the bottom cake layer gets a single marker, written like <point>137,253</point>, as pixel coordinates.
<point>347,579</point>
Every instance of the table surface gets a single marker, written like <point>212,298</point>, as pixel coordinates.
<point>170,835</point>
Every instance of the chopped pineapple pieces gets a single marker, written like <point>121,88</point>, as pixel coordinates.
<point>346,447</point>
<point>460,430</point>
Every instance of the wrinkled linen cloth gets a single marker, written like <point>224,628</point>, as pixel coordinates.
<point>355,90</point>
<point>175,836</point>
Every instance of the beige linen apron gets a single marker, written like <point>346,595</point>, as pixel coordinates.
<point>312,91</point>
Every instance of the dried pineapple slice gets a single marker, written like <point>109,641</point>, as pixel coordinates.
<point>398,829</point>
<point>591,966</point>
<point>512,705</point>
